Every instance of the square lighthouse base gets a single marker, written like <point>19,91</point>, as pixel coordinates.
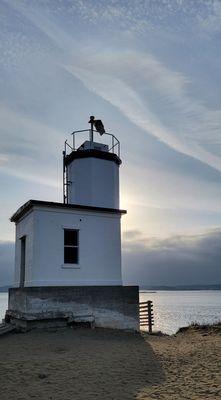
<point>53,306</point>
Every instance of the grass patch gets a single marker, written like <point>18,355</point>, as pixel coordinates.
<point>204,328</point>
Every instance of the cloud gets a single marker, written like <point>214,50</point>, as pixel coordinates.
<point>151,95</point>
<point>26,155</point>
<point>133,234</point>
<point>139,79</point>
<point>134,81</point>
<point>6,263</point>
<point>141,17</point>
<point>211,22</point>
<point>176,260</point>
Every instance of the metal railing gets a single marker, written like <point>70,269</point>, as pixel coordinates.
<point>112,142</point>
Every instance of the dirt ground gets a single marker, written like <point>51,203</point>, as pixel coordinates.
<point>83,364</point>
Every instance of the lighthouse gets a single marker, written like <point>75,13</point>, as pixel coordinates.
<point>68,254</point>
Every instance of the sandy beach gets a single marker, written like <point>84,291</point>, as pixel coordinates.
<point>103,364</point>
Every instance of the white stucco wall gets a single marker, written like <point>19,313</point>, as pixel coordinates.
<point>94,182</point>
<point>99,247</point>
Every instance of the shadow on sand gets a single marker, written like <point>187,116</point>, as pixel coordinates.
<point>77,364</point>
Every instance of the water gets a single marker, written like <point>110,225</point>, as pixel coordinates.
<point>172,309</point>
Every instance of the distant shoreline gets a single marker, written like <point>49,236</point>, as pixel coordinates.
<point>180,288</point>
<point>154,289</point>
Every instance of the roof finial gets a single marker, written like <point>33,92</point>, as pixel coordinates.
<point>91,121</point>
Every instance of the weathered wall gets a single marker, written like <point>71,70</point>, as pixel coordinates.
<point>99,248</point>
<point>110,306</point>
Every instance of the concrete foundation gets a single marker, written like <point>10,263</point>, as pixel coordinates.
<point>101,306</point>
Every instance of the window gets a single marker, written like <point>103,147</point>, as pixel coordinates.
<point>71,246</point>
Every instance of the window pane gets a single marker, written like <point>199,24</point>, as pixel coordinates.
<point>70,255</point>
<point>70,237</point>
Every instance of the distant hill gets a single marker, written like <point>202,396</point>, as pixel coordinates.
<point>183,287</point>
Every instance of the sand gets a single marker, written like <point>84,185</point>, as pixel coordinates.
<point>103,364</point>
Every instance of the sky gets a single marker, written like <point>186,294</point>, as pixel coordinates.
<point>150,69</point>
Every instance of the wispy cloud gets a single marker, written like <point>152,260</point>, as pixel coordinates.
<point>138,16</point>
<point>126,79</point>
<point>211,22</point>
<point>134,82</point>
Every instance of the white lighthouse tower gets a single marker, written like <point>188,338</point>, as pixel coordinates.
<point>93,171</point>
<point>68,255</point>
